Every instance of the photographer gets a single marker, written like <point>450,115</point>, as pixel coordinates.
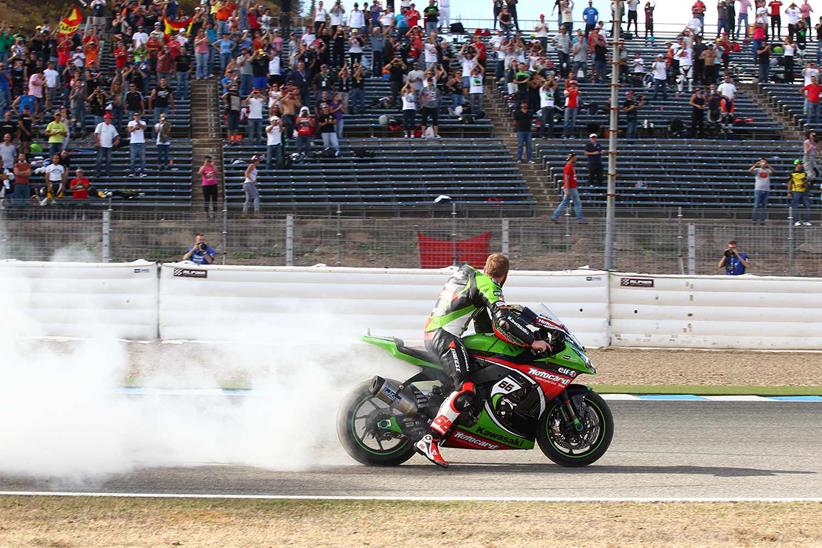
<point>733,261</point>
<point>200,252</point>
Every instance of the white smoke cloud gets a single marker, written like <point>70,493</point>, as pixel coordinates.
<point>62,417</point>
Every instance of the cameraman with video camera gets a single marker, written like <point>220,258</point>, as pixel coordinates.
<point>733,261</point>
<point>200,253</point>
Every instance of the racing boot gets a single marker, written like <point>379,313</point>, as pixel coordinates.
<point>451,409</point>
<point>429,447</point>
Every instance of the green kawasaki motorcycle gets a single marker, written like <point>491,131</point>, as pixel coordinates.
<point>520,398</point>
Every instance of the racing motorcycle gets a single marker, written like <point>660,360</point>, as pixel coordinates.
<point>520,398</point>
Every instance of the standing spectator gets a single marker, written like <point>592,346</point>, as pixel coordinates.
<point>430,111</point>
<point>659,69</point>
<point>209,183</point>
<point>811,93</point>
<point>200,253</point>
<point>202,48</point>
<point>409,110</point>
<point>476,89</point>
<point>809,150</point>
<point>650,6</point>
<point>698,108</point>
<point>182,66</point>
<point>8,151</point>
<point>698,12</point>
<point>431,13</point>
<point>733,261</point>
<point>161,100</point>
<point>134,101</point>
<point>274,142</point>
<point>569,190</point>
<point>252,195</point>
<point>798,188</point>
<point>789,49</point>
<point>233,104</point>
<point>523,122</point>
<point>106,137</point>
<point>684,55</point>
<point>723,15</point>
<point>571,108</point>
<point>593,151</point>
<point>56,131</point>
<point>580,56</point>
<point>162,132</point>
<point>137,146</point>
<point>225,46</point>
<point>328,131</point>
<point>591,17</point>
<point>52,84</point>
<point>764,60</point>
<point>633,15</point>
<point>305,125</point>
<point>255,103</point>
<point>762,188</point>
<point>55,175</point>
<point>742,19</point>
<point>541,32</point>
<point>776,19</point>
<point>25,126</point>
<point>22,176</point>
<point>357,90</point>
<point>805,10</point>
<point>630,108</point>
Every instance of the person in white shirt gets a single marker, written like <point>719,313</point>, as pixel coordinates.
<point>728,90</point>
<point>475,89</point>
<point>52,82</point>
<point>320,17</point>
<point>431,51</point>
<point>356,20</point>
<point>274,142</point>
<point>660,71</point>
<point>445,14</point>
<point>794,15</point>
<point>541,32</point>
<point>55,178</point>
<point>335,16</point>
<point>808,74</point>
<point>254,102</point>
<point>106,137</point>
<point>468,61</point>
<point>685,56</point>
<point>137,146</point>
<point>139,38</point>
<point>547,105</point>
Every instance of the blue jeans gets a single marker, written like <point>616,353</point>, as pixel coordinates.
<point>156,113</point>
<point>760,213</point>
<point>304,144</point>
<point>742,17</point>
<point>137,157</point>
<point>201,60</point>
<point>357,100</point>
<point>246,83</point>
<point>547,119</point>
<point>182,85</point>
<point>225,58</point>
<point>660,85</point>
<point>103,155</point>
<point>274,153</point>
<point>255,130</point>
<point>162,155</point>
<point>570,122</point>
<point>568,195</point>
<point>630,129</point>
<point>800,199</point>
<point>523,142</point>
<point>55,148</point>
<point>813,113</point>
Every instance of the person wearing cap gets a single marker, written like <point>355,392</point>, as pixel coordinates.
<point>252,195</point>
<point>798,187</point>
<point>569,190</point>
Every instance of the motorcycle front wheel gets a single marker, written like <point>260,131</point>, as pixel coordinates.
<point>564,444</point>
<point>361,429</point>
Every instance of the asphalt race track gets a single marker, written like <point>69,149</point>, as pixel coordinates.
<point>661,450</point>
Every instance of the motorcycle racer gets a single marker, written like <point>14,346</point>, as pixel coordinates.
<point>469,294</point>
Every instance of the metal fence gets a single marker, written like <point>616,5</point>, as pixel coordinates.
<point>673,245</point>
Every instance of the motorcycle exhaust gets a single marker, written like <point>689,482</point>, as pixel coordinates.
<point>388,391</point>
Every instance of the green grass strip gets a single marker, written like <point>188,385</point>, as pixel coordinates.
<point>704,390</point>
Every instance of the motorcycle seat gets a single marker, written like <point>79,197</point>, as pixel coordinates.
<point>419,353</point>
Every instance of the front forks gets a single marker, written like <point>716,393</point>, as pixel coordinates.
<point>568,412</point>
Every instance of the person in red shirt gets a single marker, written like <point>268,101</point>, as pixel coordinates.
<point>63,54</point>
<point>412,16</point>
<point>79,186</point>
<point>698,11</point>
<point>569,190</point>
<point>776,18</point>
<point>120,56</point>
<point>571,108</point>
<point>811,93</point>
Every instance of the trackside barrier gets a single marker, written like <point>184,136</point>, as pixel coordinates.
<point>45,299</point>
<point>197,303</point>
<point>144,301</point>
<point>744,312</point>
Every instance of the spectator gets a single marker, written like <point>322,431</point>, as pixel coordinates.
<point>22,176</point>
<point>200,253</point>
<point>798,188</point>
<point>476,89</point>
<point>762,188</point>
<point>202,49</point>
<point>252,195</point>
<point>305,125</point>
<point>579,52</point>
<point>137,146</point>
<point>590,16</point>
<point>812,95</point>
<point>8,151</point>
<point>233,104</point>
<point>764,61</point>
<point>134,101</point>
<point>106,138</point>
<point>79,186</point>
<point>55,179</point>
<point>571,108</point>
<point>255,103</point>
<point>698,107</point>
<point>734,261</point>
<point>338,110</point>
<point>809,151</point>
<point>430,111</point>
<point>431,13</point>
<point>630,108</point>
<point>209,183</point>
<point>6,187</point>
<point>56,131</point>
<point>161,100</point>
<point>684,55</point>
<point>593,151</point>
<point>274,142</point>
<point>409,110</point>
<point>742,18</point>
<point>182,66</point>
<point>162,133</point>
<point>547,103</point>
<point>650,6</point>
<point>633,15</point>
<point>776,19</point>
<point>328,130</point>
<point>523,121</point>
<point>569,190</point>
<point>660,71</point>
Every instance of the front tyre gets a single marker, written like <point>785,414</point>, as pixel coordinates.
<point>564,444</point>
<point>365,432</point>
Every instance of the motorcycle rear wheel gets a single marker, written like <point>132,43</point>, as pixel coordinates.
<point>352,419</point>
<point>557,439</point>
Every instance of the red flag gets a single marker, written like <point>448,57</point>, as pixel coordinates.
<point>436,253</point>
<point>171,26</point>
<point>70,24</point>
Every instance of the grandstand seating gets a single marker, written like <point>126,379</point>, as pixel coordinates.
<point>788,98</point>
<point>687,173</point>
<point>402,173</point>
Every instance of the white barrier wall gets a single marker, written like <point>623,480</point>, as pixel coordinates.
<point>80,299</point>
<point>745,312</point>
<point>205,303</point>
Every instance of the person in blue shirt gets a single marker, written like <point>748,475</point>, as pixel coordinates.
<point>590,15</point>
<point>734,261</point>
<point>226,47</point>
<point>200,252</point>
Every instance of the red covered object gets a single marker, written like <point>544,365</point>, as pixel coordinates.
<point>436,253</point>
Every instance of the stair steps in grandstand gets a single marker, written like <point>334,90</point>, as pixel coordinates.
<point>787,98</point>
<point>403,173</point>
<point>687,173</point>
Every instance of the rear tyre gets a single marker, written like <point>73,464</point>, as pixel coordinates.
<point>357,429</point>
<point>563,444</point>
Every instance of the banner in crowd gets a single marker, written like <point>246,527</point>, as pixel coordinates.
<point>172,26</point>
<point>70,24</point>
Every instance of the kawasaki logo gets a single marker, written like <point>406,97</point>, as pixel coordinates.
<point>475,441</point>
<point>499,437</point>
<point>547,375</point>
